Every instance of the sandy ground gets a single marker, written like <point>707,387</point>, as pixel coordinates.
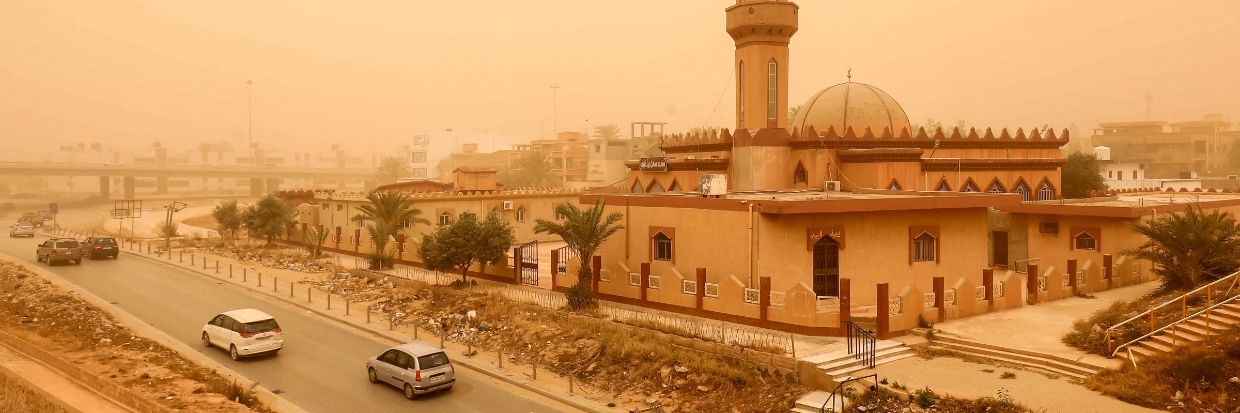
<point>56,384</point>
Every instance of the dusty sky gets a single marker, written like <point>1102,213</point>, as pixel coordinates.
<point>371,73</point>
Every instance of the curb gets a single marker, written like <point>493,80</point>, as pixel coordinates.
<point>51,398</point>
<point>379,333</point>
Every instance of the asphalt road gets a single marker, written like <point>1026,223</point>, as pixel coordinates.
<point>320,369</point>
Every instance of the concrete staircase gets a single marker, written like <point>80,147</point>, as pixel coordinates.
<point>814,401</point>
<point>1048,362</point>
<point>840,366</point>
<point>1223,318</point>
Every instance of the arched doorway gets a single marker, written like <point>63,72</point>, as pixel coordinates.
<point>827,267</point>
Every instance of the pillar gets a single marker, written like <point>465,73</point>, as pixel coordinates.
<point>273,185</point>
<point>1107,262</point>
<point>357,241</point>
<point>596,269</point>
<point>338,236</point>
<point>988,282</point>
<point>845,301</point>
<point>129,187</point>
<point>1072,276</point>
<point>884,311</point>
<point>516,265</point>
<point>1031,284</point>
<point>700,293</point>
<point>938,298</point>
<point>555,267</point>
<point>645,273</point>
<point>161,185</point>
<point>105,188</point>
<point>764,296</point>
<point>256,187</point>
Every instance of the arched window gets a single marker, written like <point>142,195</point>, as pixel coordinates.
<point>943,187</point>
<point>740,95</point>
<point>521,214</point>
<point>969,186</point>
<point>1045,192</point>
<point>445,218</point>
<point>772,90</point>
<point>923,247</point>
<point>662,247</point>
<point>800,175</point>
<point>1084,241</point>
<point>996,188</point>
<point>1022,190</point>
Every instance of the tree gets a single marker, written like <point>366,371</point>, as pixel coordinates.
<point>315,237</point>
<point>465,242</point>
<point>168,230</point>
<point>384,217</point>
<point>269,218</point>
<point>220,148</point>
<point>1233,157</point>
<point>607,132</point>
<point>392,168</point>
<point>1189,248</point>
<point>703,132</point>
<point>228,216</point>
<point>585,231</point>
<point>930,126</point>
<point>206,148</point>
<point>1082,173</point>
<point>792,112</point>
<point>534,169</point>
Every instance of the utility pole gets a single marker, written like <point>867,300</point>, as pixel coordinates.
<point>249,103</point>
<point>555,130</point>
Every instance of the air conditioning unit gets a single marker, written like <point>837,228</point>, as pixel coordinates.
<point>1048,227</point>
<point>831,186</point>
<point>507,205</point>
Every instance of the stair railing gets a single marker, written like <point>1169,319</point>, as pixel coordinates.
<point>831,399</point>
<point>1175,324</point>
<point>862,344</point>
<point>1182,300</point>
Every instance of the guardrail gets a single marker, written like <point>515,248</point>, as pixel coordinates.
<point>1173,326</point>
<point>1208,289</point>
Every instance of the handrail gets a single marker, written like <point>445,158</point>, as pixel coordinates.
<point>1176,323</point>
<point>831,398</point>
<point>1233,276</point>
<point>863,342</point>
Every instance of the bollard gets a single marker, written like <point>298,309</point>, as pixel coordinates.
<point>204,263</point>
<point>229,270</point>
<point>415,327</point>
<point>181,256</point>
<point>217,266</point>
<point>260,279</point>
<point>535,365</point>
<point>244,274</point>
<point>441,334</point>
<point>570,384</point>
<point>500,352</point>
<point>347,304</point>
<point>290,290</point>
<point>275,284</point>
<point>329,300</point>
<point>469,350</point>
<point>415,331</point>
<point>148,248</point>
<point>367,315</point>
<point>309,294</point>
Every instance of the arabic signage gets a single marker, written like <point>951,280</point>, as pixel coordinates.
<point>813,235</point>
<point>652,165</point>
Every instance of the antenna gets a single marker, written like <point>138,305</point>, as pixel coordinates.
<point>850,74</point>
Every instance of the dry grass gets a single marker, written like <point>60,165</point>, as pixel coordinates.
<point>1200,372</point>
<point>16,397</point>
<point>1089,334</point>
<point>926,400</point>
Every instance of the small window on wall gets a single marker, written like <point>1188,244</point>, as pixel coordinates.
<point>1086,242</point>
<point>1045,192</point>
<point>923,248</point>
<point>895,186</point>
<point>559,216</point>
<point>1110,174</point>
<point>445,218</point>
<point>662,247</point>
<point>327,206</point>
<point>1022,190</point>
<point>943,187</point>
<point>996,188</point>
<point>800,175</point>
<point>969,187</point>
<point>339,207</point>
<point>520,214</point>
<point>359,223</point>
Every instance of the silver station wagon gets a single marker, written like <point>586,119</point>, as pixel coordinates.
<point>415,368</point>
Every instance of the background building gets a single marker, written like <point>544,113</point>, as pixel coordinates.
<point>439,145</point>
<point>1171,150</point>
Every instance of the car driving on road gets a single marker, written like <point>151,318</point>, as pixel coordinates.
<point>415,368</point>
<point>22,229</point>
<point>59,249</point>
<point>101,247</point>
<point>244,333</point>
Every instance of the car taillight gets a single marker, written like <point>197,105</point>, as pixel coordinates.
<point>115,247</point>
<point>453,367</point>
<point>278,330</point>
<point>53,251</point>
<point>96,248</point>
<point>247,335</point>
<point>417,375</point>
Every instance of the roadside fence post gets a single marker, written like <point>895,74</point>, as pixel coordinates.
<point>347,305</point>
<point>469,349</point>
<point>415,327</point>
<point>260,279</point>
<point>570,384</point>
<point>367,315</point>
<point>309,293</point>
<point>290,290</point>
<point>500,352</point>
<point>229,270</point>
<point>275,284</point>
<point>244,274</point>
<point>181,256</point>
<point>204,263</point>
<point>441,334</point>
<point>535,366</point>
<point>217,266</point>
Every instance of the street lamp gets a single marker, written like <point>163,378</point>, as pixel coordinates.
<point>249,103</point>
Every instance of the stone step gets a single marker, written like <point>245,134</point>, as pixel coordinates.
<point>879,355</point>
<point>1139,352</point>
<point>842,374</point>
<point>1233,306</point>
<point>1180,338</point>
<point>840,355</point>
<point>813,402</point>
<point>1165,348</point>
<point>1060,361</point>
<point>1215,325</point>
<point>1044,363</point>
<point>1225,314</point>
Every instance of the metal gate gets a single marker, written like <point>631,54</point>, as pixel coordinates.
<point>529,263</point>
<point>563,256</point>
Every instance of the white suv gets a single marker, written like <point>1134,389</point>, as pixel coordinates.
<point>244,333</point>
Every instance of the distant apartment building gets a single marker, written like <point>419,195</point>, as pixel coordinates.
<point>607,156</point>
<point>567,154</point>
<point>1170,150</point>
<point>428,149</point>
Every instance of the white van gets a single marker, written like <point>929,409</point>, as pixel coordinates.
<point>244,333</point>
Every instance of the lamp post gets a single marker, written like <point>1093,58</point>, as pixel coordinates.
<point>249,104</point>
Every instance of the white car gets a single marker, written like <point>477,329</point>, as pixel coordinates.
<point>243,333</point>
<point>415,368</point>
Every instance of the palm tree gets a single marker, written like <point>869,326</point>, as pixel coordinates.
<point>1189,248</point>
<point>392,168</point>
<point>534,169</point>
<point>703,132</point>
<point>206,148</point>
<point>607,132</point>
<point>584,230</point>
<point>385,216</point>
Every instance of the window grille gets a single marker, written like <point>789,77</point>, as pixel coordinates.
<point>923,248</point>
<point>662,247</point>
<point>1085,242</point>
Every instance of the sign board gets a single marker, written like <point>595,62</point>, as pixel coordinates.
<point>652,165</point>
<point>53,208</point>
<point>132,207</point>
<point>713,184</point>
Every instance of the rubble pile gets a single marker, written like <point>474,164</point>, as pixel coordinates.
<point>37,311</point>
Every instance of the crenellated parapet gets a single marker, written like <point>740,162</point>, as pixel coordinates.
<point>953,139</point>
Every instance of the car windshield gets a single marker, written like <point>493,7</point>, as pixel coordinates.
<point>431,361</point>
<point>260,326</point>
<point>66,244</point>
<point>25,225</point>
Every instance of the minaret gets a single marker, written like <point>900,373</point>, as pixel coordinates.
<point>762,30</point>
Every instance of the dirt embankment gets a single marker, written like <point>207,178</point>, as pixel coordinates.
<point>16,397</point>
<point>41,313</point>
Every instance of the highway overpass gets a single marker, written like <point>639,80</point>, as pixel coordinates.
<point>262,180</point>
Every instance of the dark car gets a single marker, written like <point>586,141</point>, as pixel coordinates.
<point>59,249</point>
<point>101,247</point>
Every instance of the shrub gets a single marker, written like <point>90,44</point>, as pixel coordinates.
<point>1089,334</point>
<point>579,297</point>
<point>923,398</point>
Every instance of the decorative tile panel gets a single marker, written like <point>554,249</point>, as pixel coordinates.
<point>896,307</point>
<point>827,304</point>
<point>979,293</point>
<point>604,275</point>
<point>1041,283</point>
<point>779,299</point>
<point>635,278</point>
<point>998,289</point>
<point>949,297</point>
<point>751,295</point>
<point>656,282</point>
<point>711,290</point>
<point>689,287</point>
<point>927,301</point>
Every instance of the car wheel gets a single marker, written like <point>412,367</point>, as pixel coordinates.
<point>37,257</point>
<point>206,340</point>
<point>77,261</point>
<point>409,394</point>
<point>232,352</point>
<point>370,375</point>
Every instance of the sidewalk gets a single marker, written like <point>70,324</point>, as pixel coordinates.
<point>1039,328</point>
<point>59,389</point>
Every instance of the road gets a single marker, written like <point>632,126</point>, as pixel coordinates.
<point>321,368</point>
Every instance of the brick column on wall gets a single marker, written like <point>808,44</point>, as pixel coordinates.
<point>357,240</point>
<point>884,311</point>
<point>1031,284</point>
<point>938,298</point>
<point>339,236</point>
<point>701,287</point>
<point>1072,276</point>
<point>988,282</point>
<point>764,295</point>
<point>596,272</point>
<point>516,265</point>
<point>1107,262</point>
<point>845,301</point>
<point>645,274</point>
<point>555,267</point>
